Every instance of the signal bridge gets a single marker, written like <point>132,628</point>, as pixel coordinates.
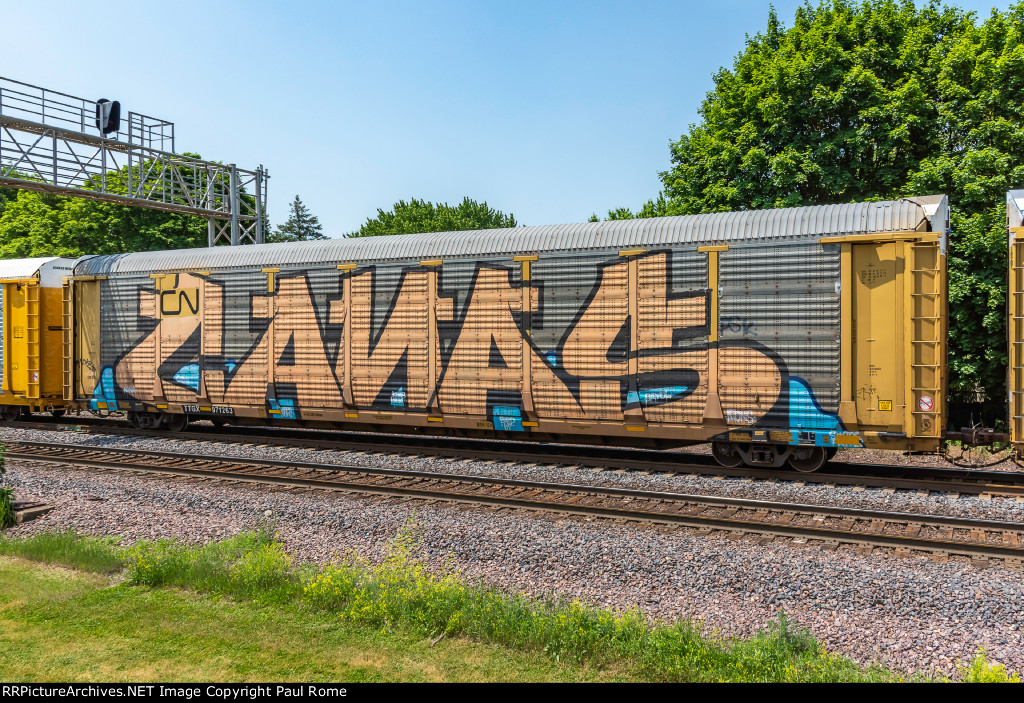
<point>57,143</point>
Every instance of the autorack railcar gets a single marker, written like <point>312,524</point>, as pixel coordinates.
<point>777,335</point>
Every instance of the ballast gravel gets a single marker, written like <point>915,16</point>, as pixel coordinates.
<point>912,614</point>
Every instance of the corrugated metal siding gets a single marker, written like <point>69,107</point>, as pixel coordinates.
<point>564,287</point>
<point>781,224</point>
<point>673,335</point>
<point>454,286</point>
<point>123,321</point>
<point>246,344</point>
<point>786,298</point>
<point>389,337</point>
<point>179,344</point>
<point>302,356</point>
<point>484,364</point>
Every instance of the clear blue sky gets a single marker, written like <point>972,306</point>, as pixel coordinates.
<point>549,110</point>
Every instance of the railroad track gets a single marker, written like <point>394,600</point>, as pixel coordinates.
<point>910,478</point>
<point>981,541</point>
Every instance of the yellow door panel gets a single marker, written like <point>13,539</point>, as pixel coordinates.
<point>15,338</point>
<point>87,337</point>
<point>878,299</point>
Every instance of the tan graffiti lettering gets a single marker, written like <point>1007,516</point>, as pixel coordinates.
<point>299,354</point>
<point>248,383</point>
<point>619,358</point>
<point>404,334</point>
<point>138,370</point>
<point>588,351</point>
<point>472,369</point>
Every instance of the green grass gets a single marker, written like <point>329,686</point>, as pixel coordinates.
<point>67,549</point>
<point>393,608</point>
<point>57,625</point>
<point>252,565</point>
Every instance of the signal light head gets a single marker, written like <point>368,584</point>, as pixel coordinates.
<point>108,116</point>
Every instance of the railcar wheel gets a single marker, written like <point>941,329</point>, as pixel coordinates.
<point>807,459</point>
<point>832,451</point>
<point>725,454</point>
<point>57,412</point>
<point>176,423</point>
<point>136,420</point>
<point>10,413</point>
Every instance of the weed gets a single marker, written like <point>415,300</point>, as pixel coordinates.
<point>249,565</point>
<point>6,507</point>
<point>794,639</point>
<point>983,671</point>
<point>6,494</point>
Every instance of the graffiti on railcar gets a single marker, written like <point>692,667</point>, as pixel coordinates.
<point>298,344</point>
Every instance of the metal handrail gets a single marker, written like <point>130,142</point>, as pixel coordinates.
<point>55,109</point>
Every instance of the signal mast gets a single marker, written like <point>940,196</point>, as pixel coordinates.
<point>53,142</point>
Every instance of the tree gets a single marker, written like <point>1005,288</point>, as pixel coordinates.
<point>423,216</point>
<point>300,226</point>
<point>873,100</point>
<point>657,207</point>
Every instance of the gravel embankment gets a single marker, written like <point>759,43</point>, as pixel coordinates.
<point>912,614</point>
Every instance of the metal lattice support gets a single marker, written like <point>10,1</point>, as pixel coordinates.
<point>46,145</point>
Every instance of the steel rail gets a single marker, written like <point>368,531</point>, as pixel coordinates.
<point>236,469</point>
<point>943,480</point>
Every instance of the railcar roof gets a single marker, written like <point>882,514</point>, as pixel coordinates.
<point>49,275</point>
<point>779,224</point>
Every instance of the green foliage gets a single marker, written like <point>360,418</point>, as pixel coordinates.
<point>301,226</point>
<point>6,507</point>
<point>782,652</point>
<point>6,494</point>
<point>249,565</point>
<point>873,100</point>
<point>403,591</point>
<point>659,207</point>
<point>982,670</point>
<point>7,195</point>
<point>423,216</point>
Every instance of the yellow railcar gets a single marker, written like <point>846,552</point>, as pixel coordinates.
<point>32,311</point>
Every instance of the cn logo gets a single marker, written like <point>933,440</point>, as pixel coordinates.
<point>179,302</point>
